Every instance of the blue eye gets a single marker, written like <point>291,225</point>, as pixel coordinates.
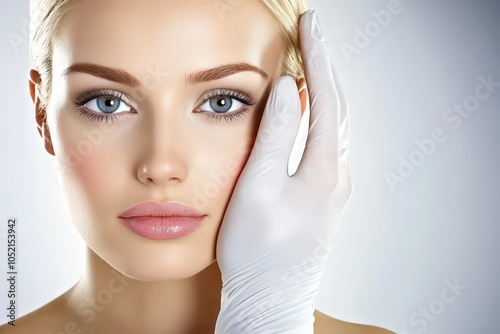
<point>107,105</point>
<point>221,104</point>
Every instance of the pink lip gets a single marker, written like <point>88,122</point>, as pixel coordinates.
<point>161,221</point>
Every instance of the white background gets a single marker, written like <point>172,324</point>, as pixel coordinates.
<point>396,248</point>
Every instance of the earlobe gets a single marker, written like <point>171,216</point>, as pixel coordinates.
<point>40,113</point>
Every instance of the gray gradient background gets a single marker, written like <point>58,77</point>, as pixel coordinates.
<point>395,249</point>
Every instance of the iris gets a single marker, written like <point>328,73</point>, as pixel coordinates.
<point>221,105</point>
<point>108,104</point>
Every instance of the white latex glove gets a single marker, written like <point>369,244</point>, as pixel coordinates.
<point>278,230</point>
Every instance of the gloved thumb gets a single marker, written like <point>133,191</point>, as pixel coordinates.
<point>278,130</point>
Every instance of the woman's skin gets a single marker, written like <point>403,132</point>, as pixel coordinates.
<point>163,146</point>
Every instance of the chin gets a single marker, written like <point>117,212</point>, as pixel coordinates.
<point>156,261</point>
<point>162,270</point>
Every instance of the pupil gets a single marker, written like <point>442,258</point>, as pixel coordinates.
<point>221,103</point>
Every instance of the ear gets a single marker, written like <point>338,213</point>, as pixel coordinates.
<point>40,113</point>
<point>304,96</point>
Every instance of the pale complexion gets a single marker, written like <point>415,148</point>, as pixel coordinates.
<point>162,146</point>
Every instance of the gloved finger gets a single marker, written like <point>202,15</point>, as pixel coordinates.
<point>320,157</point>
<point>277,131</point>
<point>344,137</point>
<point>344,116</point>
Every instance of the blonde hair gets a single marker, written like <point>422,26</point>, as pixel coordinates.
<point>45,18</point>
<point>47,15</point>
<point>287,12</point>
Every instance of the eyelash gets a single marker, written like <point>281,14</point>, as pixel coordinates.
<point>88,96</point>
<point>244,98</point>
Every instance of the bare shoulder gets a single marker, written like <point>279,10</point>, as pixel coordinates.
<point>46,319</point>
<point>325,324</point>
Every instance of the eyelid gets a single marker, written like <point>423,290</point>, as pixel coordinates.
<point>229,117</point>
<point>246,99</point>
<point>242,96</point>
<point>87,96</point>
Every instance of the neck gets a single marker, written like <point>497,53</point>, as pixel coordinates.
<point>104,299</point>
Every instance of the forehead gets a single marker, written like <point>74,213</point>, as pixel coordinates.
<point>188,34</point>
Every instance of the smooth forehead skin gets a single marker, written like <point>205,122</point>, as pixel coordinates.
<point>180,37</point>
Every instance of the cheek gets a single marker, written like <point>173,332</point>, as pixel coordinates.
<point>220,174</point>
<point>89,166</point>
<point>220,161</point>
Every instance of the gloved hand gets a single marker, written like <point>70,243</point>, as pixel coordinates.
<point>277,232</point>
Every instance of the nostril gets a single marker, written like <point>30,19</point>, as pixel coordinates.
<point>160,172</point>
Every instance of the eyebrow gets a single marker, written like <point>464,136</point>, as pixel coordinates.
<point>121,76</point>
<point>108,73</point>
<point>222,72</point>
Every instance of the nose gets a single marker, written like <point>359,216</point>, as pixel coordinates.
<point>163,159</point>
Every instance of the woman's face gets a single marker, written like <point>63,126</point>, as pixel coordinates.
<point>180,134</point>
